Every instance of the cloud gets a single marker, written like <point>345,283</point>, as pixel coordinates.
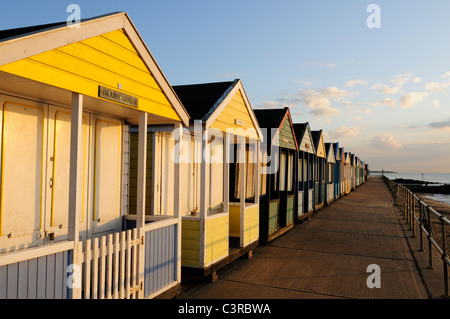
<point>319,101</point>
<point>436,104</point>
<point>446,74</point>
<point>442,125</point>
<point>385,141</point>
<point>412,98</point>
<point>269,105</point>
<point>388,101</point>
<point>402,78</point>
<point>409,158</point>
<point>434,87</point>
<point>355,82</point>
<point>343,132</point>
<point>399,80</point>
<point>384,89</point>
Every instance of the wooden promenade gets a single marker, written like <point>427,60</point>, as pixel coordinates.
<point>327,257</point>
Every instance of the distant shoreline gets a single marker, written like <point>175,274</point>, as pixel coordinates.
<point>381,172</point>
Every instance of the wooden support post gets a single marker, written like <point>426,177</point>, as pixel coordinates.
<point>257,172</point>
<point>177,195</point>
<point>140,201</point>
<point>242,172</point>
<point>226,172</point>
<point>203,197</point>
<point>75,185</point>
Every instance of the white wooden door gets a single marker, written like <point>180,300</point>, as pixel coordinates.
<point>106,173</point>
<point>23,144</point>
<point>190,174</point>
<point>164,174</point>
<point>58,167</point>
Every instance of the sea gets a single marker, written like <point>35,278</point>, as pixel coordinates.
<point>441,178</point>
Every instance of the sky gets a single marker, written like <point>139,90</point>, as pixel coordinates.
<point>376,81</point>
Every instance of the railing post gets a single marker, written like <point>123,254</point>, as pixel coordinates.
<point>421,225</point>
<point>444,256</point>
<point>395,193</point>
<point>430,236</point>
<point>407,205</point>
<point>413,216</point>
<point>409,209</point>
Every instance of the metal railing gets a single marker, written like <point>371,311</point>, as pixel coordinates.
<point>429,221</point>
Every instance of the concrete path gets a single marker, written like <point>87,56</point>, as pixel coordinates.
<point>328,257</point>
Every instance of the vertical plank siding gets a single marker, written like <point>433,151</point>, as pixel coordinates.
<point>160,258</point>
<point>38,278</point>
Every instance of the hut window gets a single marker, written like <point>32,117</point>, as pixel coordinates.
<point>329,173</point>
<point>250,166</point>
<point>235,174</point>
<point>190,174</point>
<point>216,175</point>
<point>275,158</point>
<point>263,179</point>
<point>305,170</point>
<point>300,170</point>
<point>290,173</point>
<point>282,171</point>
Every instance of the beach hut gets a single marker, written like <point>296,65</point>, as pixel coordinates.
<point>360,172</point>
<point>337,169</point>
<point>68,94</point>
<point>219,171</point>
<point>319,169</point>
<point>342,172</point>
<point>278,188</point>
<point>305,169</point>
<point>366,172</point>
<point>329,173</point>
<point>357,171</point>
<point>362,168</point>
<point>352,171</point>
<point>347,173</point>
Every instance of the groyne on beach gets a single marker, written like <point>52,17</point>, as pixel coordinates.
<point>418,186</point>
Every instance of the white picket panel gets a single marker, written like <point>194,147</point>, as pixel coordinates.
<point>109,266</point>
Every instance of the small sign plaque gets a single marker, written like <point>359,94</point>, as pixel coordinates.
<point>117,96</point>
<point>238,122</point>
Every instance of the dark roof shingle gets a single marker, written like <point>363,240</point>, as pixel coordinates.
<point>199,99</point>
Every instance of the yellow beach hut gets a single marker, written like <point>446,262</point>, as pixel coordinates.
<point>68,95</point>
<point>219,171</point>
